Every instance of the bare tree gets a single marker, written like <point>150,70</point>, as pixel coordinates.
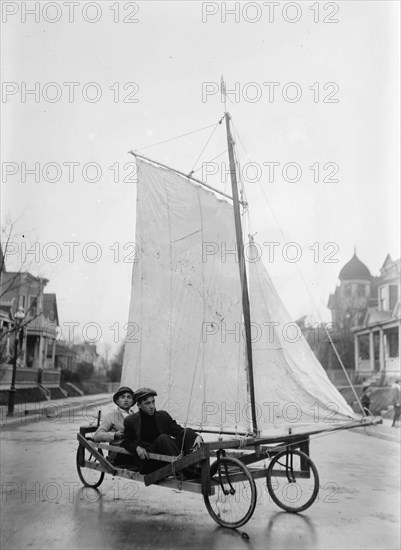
<point>12,281</point>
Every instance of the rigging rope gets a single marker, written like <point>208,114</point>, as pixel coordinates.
<point>177,137</point>
<point>206,144</point>
<point>306,286</point>
<point>211,160</point>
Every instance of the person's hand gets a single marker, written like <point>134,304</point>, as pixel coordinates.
<point>141,452</point>
<point>197,443</point>
<point>118,434</point>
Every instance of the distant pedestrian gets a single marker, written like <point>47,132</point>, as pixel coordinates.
<point>365,400</point>
<point>396,402</point>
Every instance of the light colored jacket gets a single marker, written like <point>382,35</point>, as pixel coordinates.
<point>111,423</point>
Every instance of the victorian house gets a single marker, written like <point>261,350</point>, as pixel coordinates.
<point>377,336</point>
<point>366,315</point>
<point>23,292</point>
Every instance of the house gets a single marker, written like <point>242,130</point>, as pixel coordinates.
<point>349,304</point>
<point>37,346</point>
<point>66,357</point>
<point>86,353</point>
<point>351,299</point>
<point>377,337</point>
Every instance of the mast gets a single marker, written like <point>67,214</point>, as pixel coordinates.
<point>242,271</point>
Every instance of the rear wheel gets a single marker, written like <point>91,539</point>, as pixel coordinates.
<point>88,467</point>
<point>292,481</point>
<point>234,498</point>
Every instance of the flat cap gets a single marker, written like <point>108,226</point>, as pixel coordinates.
<point>123,389</point>
<point>140,394</point>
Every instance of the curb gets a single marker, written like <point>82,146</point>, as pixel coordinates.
<point>51,409</point>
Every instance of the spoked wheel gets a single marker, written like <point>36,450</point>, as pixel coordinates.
<point>87,466</point>
<point>234,498</point>
<point>292,480</point>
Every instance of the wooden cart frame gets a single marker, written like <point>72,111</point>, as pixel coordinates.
<point>227,472</point>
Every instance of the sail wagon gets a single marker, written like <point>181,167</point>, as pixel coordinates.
<point>211,334</point>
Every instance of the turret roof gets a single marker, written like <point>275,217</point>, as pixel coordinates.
<point>355,269</point>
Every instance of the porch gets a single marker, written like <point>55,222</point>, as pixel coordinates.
<point>377,353</point>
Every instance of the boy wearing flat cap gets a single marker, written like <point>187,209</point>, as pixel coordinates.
<point>111,428</point>
<point>152,431</point>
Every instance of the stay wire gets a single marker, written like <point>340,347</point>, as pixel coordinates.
<point>211,160</point>
<point>206,144</point>
<point>307,289</point>
<point>174,138</point>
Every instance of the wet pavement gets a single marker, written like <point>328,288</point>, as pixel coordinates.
<point>44,505</point>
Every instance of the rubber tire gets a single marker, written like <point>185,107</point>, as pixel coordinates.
<point>82,471</point>
<point>315,475</point>
<point>229,461</point>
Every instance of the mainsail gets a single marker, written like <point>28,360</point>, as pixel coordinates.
<point>293,389</point>
<point>186,337</point>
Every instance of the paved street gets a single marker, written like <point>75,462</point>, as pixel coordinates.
<point>45,507</point>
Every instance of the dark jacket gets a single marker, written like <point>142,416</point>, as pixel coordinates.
<point>133,435</point>
<point>365,400</point>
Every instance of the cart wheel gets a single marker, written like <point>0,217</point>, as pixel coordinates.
<point>234,500</point>
<point>292,481</point>
<point>88,474</point>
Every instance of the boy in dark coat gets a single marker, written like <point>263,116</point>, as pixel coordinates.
<point>152,431</point>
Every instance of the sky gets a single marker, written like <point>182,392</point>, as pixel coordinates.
<point>312,87</point>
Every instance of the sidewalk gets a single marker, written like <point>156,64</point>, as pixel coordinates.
<point>42,410</point>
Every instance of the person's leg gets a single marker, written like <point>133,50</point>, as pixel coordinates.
<point>395,416</point>
<point>128,461</point>
<point>186,440</point>
<point>397,412</point>
<point>123,460</point>
<point>163,445</point>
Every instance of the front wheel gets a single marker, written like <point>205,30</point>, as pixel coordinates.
<point>88,467</point>
<point>292,480</point>
<point>234,498</point>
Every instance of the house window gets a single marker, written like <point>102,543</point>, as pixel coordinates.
<point>364,350</point>
<point>393,296</point>
<point>32,309</point>
<point>361,291</point>
<point>376,345</point>
<point>49,353</point>
<point>22,302</point>
<point>383,299</point>
<point>393,344</point>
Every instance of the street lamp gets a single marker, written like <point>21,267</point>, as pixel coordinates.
<point>18,318</point>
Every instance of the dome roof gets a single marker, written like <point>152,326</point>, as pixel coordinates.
<point>355,269</point>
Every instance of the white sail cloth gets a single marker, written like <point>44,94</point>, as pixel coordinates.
<point>185,298</point>
<point>186,337</point>
<point>292,389</point>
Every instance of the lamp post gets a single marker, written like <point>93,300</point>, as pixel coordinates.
<point>18,318</point>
